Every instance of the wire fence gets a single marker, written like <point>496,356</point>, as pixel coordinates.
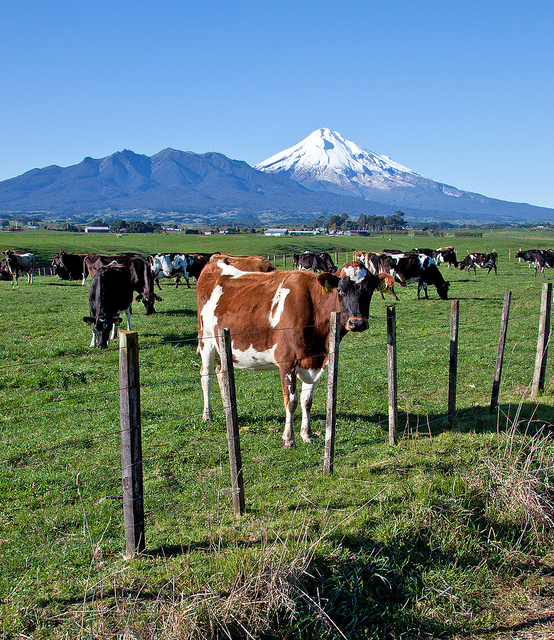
<point>65,475</point>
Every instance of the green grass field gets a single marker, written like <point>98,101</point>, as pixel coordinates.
<point>448,534</point>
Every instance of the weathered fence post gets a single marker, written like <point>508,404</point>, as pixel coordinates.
<point>500,354</point>
<point>453,366</point>
<point>131,444</point>
<point>391,357</point>
<point>336,258</point>
<point>226,379</point>
<point>284,260</point>
<point>544,336</point>
<point>333,369</point>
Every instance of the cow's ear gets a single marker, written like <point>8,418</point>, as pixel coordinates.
<point>328,281</point>
<point>138,298</point>
<point>88,320</point>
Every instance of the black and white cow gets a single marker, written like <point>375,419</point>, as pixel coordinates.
<point>442,254</point>
<point>170,265</point>
<point>17,263</point>
<point>415,267</point>
<point>110,293</point>
<point>318,262</point>
<point>481,261</point>
<point>538,258</point>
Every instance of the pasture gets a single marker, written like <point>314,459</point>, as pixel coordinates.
<point>448,534</point>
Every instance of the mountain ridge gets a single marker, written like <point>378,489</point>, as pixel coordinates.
<point>337,177</point>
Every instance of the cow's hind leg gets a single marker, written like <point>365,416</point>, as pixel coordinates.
<point>207,354</point>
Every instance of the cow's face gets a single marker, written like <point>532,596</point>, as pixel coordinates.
<point>442,290</point>
<point>101,329</point>
<point>148,300</point>
<point>355,286</point>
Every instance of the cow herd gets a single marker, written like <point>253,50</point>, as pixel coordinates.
<point>277,319</point>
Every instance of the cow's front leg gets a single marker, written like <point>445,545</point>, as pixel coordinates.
<point>290,399</point>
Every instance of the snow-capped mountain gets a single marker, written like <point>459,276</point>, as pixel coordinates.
<point>325,161</point>
<point>341,165</point>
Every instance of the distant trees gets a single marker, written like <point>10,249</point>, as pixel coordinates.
<point>135,226</point>
<point>365,222</point>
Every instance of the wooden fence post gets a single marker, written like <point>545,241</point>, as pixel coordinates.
<point>544,336</point>
<point>226,380</point>
<point>453,366</point>
<point>333,369</point>
<point>284,260</point>
<point>391,357</point>
<point>500,354</point>
<point>131,444</point>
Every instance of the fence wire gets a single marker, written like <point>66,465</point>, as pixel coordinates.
<point>184,459</point>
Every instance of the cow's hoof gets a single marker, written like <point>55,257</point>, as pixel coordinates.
<point>289,444</point>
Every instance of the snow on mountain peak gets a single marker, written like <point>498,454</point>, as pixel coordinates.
<point>341,165</point>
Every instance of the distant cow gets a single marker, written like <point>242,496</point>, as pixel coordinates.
<point>539,258</point>
<point>170,265</point>
<point>244,263</point>
<point>279,319</point>
<point>68,266</point>
<point>442,254</point>
<point>17,263</point>
<point>110,293</point>
<point>369,258</point>
<point>481,261</point>
<point>312,261</point>
<point>415,267</point>
<point>141,274</point>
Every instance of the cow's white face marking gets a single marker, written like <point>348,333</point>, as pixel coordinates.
<point>229,270</point>
<point>356,274</point>
<point>277,306</point>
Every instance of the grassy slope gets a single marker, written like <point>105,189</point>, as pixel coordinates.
<point>406,541</point>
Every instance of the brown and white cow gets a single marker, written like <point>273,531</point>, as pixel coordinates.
<point>279,319</point>
<point>16,263</point>
<point>244,263</point>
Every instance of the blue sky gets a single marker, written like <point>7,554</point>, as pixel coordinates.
<point>461,92</point>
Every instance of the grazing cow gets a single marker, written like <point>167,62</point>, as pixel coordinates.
<point>415,267</point>
<point>68,266</point>
<point>110,293</point>
<point>539,258</point>
<point>279,319</point>
<point>4,271</point>
<point>481,260</point>
<point>15,263</point>
<point>318,262</point>
<point>141,275</point>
